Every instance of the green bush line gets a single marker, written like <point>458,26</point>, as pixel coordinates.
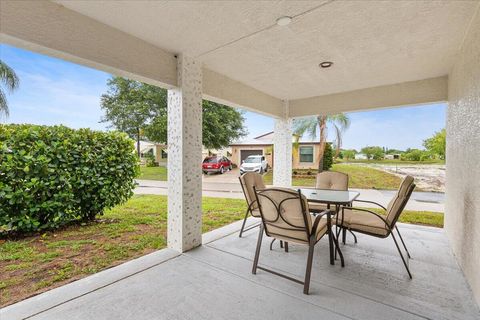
<point>54,175</point>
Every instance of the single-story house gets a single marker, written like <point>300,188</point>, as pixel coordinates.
<point>158,150</point>
<point>304,155</point>
<point>394,156</point>
<point>361,156</point>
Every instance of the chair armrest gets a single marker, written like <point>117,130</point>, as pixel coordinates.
<point>371,212</point>
<point>373,202</point>
<point>319,216</point>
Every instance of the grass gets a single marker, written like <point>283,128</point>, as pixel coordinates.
<point>359,177</point>
<point>37,263</point>
<point>425,218</point>
<point>153,173</point>
<point>399,162</point>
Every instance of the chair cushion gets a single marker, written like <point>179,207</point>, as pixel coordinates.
<point>332,180</point>
<point>362,221</point>
<point>295,236</point>
<point>255,213</point>
<point>317,207</point>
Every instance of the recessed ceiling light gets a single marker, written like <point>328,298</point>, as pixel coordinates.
<point>283,21</point>
<point>326,64</point>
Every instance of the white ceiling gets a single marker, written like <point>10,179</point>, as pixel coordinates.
<point>371,43</point>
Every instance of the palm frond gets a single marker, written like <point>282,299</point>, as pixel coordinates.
<point>3,104</point>
<point>8,77</point>
<point>305,125</point>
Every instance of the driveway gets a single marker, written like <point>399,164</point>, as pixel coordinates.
<point>227,177</point>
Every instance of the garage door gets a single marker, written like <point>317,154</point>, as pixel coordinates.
<point>245,153</point>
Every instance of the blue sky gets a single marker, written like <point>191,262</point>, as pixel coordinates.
<point>54,91</point>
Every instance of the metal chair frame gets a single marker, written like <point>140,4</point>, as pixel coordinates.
<point>389,226</point>
<point>248,211</point>
<point>310,234</point>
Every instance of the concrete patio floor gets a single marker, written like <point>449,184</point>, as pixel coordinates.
<point>215,282</point>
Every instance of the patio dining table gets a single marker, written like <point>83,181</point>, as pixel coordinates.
<point>334,199</point>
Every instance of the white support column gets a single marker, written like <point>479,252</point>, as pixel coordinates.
<point>282,150</point>
<point>185,157</point>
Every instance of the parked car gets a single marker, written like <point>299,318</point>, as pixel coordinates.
<point>216,164</point>
<point>254,163</point>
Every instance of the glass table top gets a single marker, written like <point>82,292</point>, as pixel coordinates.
<point>329,196</point>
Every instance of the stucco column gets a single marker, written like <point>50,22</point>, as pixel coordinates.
<point>282,150</point>
<point>185,157</point>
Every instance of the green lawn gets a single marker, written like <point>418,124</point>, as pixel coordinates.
<point>359,177</point>
<point>34,264</point>
<point>399,162</point>
<point>41,262</point>
<point>153,173</point>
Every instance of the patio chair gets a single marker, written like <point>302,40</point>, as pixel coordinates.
<point>370,223</point>
<point>249,181</point>
<point>330,180</point>
<point>285,216</point>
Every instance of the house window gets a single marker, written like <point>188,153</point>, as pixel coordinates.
<point>306,154</point>
<point>164,154</point>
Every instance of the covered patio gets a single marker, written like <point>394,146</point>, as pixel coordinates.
<point>214,282</point>
<point>267,57</point>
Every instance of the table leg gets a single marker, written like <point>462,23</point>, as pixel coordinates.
<point>330,238</point>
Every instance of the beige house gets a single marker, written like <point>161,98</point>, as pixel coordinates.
<point>304,154</point>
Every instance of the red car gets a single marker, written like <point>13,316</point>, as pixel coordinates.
<point>216,164</point>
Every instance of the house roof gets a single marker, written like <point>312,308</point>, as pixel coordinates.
<point>266,139</point>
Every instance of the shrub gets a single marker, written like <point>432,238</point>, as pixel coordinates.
<point>150,160</point>
<point>327,157</point>
<point>50,176</point>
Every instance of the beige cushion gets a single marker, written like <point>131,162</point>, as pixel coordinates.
<point>283,215</point>
<point>317,207</point>
<point>298,236</point>
<point>332,180</point>
<point>255,213</point>
<point>362,221</point>
<point>394,208</point>
<point>248,181</point>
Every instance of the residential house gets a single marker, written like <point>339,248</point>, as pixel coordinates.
<point>304,155</point>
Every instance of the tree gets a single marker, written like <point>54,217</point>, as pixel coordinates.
<point>349,154</point>
<point>9,79</point>
<point>134,108</point>
<point>327,157</point>
<point>436,145</point>
<point>375,153</point>
<point>140,110</point>
<point>310,125</point>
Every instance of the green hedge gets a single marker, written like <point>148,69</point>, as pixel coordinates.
<point>50,176</point>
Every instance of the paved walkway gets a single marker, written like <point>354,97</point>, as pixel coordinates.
<point>420,201</point>
<point>215,281</point>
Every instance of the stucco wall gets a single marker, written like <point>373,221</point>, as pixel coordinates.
<point>462,208</point>
<point>306,165</point>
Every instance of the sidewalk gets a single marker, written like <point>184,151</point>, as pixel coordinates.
<point>420,201</point>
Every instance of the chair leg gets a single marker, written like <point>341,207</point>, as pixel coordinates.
<point>308,271</point>
<point>344,235</point>
<point>401,239</point>
<point>281,244</point>
<point>354,235</point>
<point>401,255</point>
<point>286,246</point>
<point>257,252</point>
<point>243,224</point>
<point>337,249</point>
<point>271,244</point>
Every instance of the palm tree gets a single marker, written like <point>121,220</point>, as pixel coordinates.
<point>340,122</point>
<point>10,80</point>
